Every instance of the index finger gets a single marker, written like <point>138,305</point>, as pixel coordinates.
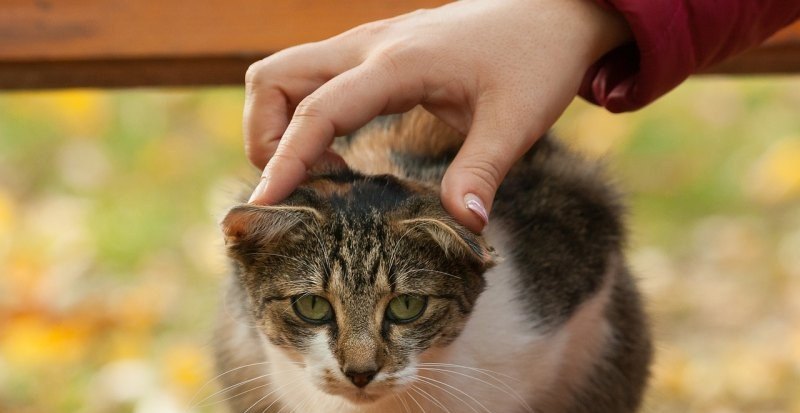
<point>340,106</point>
<point>276,84</point>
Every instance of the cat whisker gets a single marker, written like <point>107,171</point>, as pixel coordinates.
<point>293,302</point>
<point>302,405</point>
<point>397,245</point>
<point>478,369</point>
<point>441,386</point>
<point>280,388</point>
<point>507,388</point>
<point>427,270</point>
<point>430,398</point>
<point>299,407</point>
<point>231,387</point>
<point>215,378</point>
<point>272,254</point>
<point>270,394</point>
<point>260,386</point>
<point>298,284</point>
<point>285,405</point>
<point>492,374</point>
<point>402,402</point>
<point>295,264</point>
<point>415,400</point>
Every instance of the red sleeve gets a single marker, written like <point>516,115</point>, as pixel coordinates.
<point>675,38</point>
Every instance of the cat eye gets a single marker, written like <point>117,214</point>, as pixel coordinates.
<point>406,308</point>
<point>313,309</point>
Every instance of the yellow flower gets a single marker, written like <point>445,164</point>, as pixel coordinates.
<point>31,340</point>
<point>670,373</point>
<point>81,112</point>
<point>23,274</point>
<point>221,116</point>
<point>6,214</point>
<point>776,176</point>
<point>187,367</point>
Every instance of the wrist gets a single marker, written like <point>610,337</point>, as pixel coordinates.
<point>598,28</point>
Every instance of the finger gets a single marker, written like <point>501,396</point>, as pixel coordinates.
<point>329,162</point>
<point>495,141</point>
<point>276,84</point>
<point>340,106</point>
<point>265,117</point>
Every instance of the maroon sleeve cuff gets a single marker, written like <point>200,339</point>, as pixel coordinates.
<point>674,39</point>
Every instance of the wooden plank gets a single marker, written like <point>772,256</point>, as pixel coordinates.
<point>780,54</point>
<point>771,59</point>
<point>123,43</point>
<point>46,30</point>
<point>180,72</point>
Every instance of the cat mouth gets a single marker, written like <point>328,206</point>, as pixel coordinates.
<point>354,395</point>
<point>357,396</point>
<point>361,397</point>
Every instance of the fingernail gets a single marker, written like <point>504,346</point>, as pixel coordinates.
<point>259,190</point>
<point>475,205</point>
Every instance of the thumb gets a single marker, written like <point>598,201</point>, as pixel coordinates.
<point>492,146</point>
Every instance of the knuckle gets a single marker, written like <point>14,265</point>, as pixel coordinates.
<point>288,155</point>
<point>256,159</point>
<point>487,172</point>
<point>308,107</point>
<point>259,152</point>
<point>388,60</point>
<point>397,55</point>
<point>253,71</point>
<point>417,12</point>
<point>278,63</point>
<point>371,29</point>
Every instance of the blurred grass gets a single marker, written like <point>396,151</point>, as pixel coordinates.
<point>110,258</point>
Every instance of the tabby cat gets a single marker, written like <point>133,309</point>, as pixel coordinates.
<point>359,293</point>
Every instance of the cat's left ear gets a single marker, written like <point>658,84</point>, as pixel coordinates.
<point>455,240</point>
<point>264,224</point>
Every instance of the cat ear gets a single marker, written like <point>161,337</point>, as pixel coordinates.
<point>455,240</point>
<point>264,224</point>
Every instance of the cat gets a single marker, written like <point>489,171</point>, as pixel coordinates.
<point>360,294</point>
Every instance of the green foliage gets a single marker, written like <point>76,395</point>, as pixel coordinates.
<point>110,255</point>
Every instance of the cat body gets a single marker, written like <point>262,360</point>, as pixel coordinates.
<point>537,314</point>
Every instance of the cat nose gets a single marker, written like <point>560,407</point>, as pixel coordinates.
<point>360,378</point>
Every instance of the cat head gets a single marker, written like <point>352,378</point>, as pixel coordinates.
<point>354,276</point>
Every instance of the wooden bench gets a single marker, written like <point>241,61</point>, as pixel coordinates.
<point>121,43</point>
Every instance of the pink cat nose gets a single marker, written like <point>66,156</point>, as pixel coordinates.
<point>360,378</point>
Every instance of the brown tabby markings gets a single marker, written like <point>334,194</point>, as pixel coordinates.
<point>415,135</point>
<point>563,319</point>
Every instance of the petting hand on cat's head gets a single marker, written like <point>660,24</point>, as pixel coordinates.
<point>501,72</point>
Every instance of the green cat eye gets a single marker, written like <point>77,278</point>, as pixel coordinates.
<point>313,309</point>
<point>406,308</point>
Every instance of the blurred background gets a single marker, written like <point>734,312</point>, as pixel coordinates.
<point>111,260</point>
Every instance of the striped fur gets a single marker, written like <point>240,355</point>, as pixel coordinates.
<point>559,327</point>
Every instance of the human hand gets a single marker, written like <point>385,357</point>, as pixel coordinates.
<point>501,72</point>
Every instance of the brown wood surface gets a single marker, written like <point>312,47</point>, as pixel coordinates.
<point>114,29</point>
<point>115,43</point>
<point>778,55</point>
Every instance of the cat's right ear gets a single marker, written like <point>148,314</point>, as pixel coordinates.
<point>264,225</point>
<point>455,240</point>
